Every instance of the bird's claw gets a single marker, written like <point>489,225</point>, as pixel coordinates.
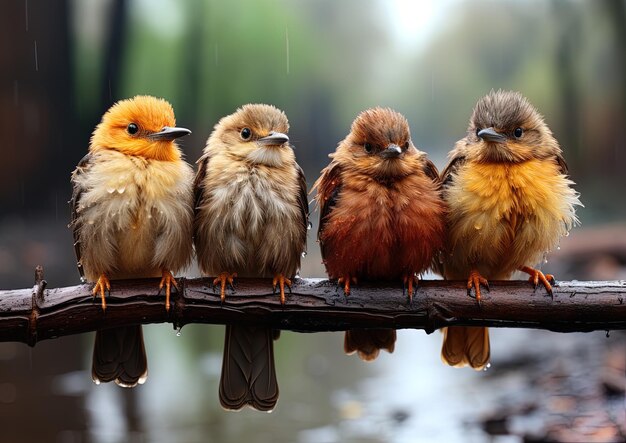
<point>537,276</point>
<point>474,281</point>
<point>225,278</point>
<point>407,284</point>
<point>345,281</point>
<point>167,280</point>
<point>102,285</point>
<point>281,281</point>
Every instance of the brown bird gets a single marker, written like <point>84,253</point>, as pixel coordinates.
<point>251,221</point>
<point>132,217</point>
<point>510,201</point>
<point>381,213</point>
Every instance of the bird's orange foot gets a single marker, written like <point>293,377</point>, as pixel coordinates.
<point>102,285</point>
<point>225,278</point>
<point>407,284</point>
<point>537,276</point>
<point>345,281</point>
<point>281,281</point>
<point>474,281</point>
<point>167,280</point>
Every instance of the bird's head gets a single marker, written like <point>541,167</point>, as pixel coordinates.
<point>505,127</point>
<point>255,133</point>
<point>142,126</point>
<point>379,144</point>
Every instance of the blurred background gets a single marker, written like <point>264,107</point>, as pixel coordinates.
<point>65,62</point>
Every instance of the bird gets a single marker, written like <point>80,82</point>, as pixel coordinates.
<point>131,217</point>
<point>510,200</point>
<point>251,220</point>
<point>381,214</point>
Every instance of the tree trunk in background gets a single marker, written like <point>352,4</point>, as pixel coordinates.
<point>568,133</point>
<point>615,10</point>
<point>37,118</point>
<point>114,52</point>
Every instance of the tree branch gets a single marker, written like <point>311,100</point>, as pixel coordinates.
<point>30,315</point>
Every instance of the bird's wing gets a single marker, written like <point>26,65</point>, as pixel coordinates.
<point>562,164</point>
<point>430,170</point>
<point>446,179</point>
<point>303,204</point>
<point>328,189</point>
<point>447,175</point>
<point>77,191</point>
<point>198,183</point>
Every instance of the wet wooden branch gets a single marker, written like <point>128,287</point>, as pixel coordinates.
<point>30,315</point>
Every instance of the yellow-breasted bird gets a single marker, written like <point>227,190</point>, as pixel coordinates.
<point>251,221</point>
<point>132,217</point>
<point>381,213</point>
<point>510,201</point>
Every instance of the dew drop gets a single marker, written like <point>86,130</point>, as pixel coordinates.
<point>567,234</point>
<point>303,254</point>
<point>96,381</point>
<point>178,333</point>
<point>309,226</point>
<point>558,248</point>
<point>477,227</point>
<point>121,189</point>
<point>83,280</point>
<point>110,190</point>
<point>487,367</point>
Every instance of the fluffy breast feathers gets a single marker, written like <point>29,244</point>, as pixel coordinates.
<point>506,215</point>
<point>133,216</point>
<point>370,229</point>
<point>250,218</point>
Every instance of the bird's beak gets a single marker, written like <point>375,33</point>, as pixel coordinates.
<point>273,139</point>
<point>392,151</point>
<point>169,134</point>
<point>491,135</point>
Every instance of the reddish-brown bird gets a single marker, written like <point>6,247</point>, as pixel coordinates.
<point>509,202</point>
<point>132,215</point>
<point>381,213</point>
<point>251,221</point>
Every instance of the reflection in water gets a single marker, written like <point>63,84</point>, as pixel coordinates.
<point>325,395</point>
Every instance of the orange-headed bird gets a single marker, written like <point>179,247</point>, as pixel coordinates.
<point>251,221</point>
<point>510,201</point>
<point>132,217</point>
<point>381,213</point>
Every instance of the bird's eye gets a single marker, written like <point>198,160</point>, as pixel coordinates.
<point>368,147</point>
<point>132,128</point>
<point>518,132</point>
<point>245,133</point>
<point>477,131</point>
<point>406,145</point>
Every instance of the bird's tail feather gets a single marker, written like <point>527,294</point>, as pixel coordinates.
<point>248,372</point>
<point>119,355</point>
<point>465,346</point>
<point>368,342</point>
